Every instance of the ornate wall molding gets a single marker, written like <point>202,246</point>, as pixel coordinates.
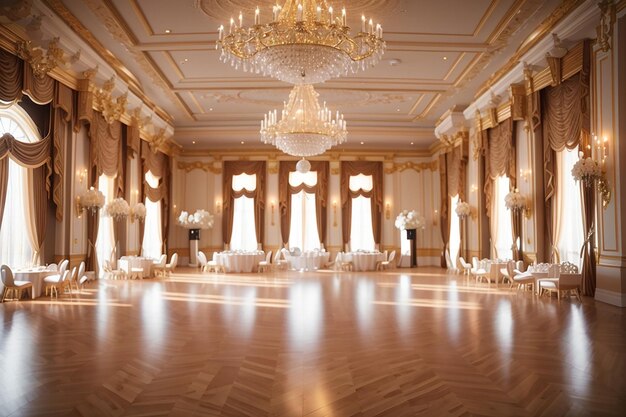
<point>43,61</point>
<point>604,30</point>
<point>112,108</point>
<point>214,167</point>
<point>417,167</point>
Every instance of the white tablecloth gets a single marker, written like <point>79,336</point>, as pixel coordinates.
<point>363,261</point>
<point>240,262</point>
<point>126,263</point>
<point>35,276</point>
<point>308,260</point>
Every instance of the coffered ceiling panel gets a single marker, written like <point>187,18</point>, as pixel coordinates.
<point>438,54</point>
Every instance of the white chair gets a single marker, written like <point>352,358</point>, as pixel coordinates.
<point>169,268</point>
<point>111,273</point>
<point>53,283</point>
<point>508,273</point>
<point>202,261</point>
<point>265,265</point>
<point>159,266</point>
<point>12,286</point>
<point>479,270</point>
<point>280,264</point>
<point>52,267</point>
<point>344,265</point>
<point>63,266</point>
<point>82,277</point>
<point>385,264</point>
<point>466,268</point>
<point>564,278</point>
<point>214,266</point>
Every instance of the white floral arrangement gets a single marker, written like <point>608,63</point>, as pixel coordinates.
<point>463,209</point>
<point>586,169</point>
<point>91,199</point>
<point>201,219</point>
<point>514,200</point>
<point>138,212</point>
<point>410,220</point>
<point>118,209</point>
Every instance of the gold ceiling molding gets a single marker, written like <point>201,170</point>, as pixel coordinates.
<point>111,108</point>
<point>517,94</point>
<point>125,75</point>
<point>213,167</point>
<point>604,30</point>
<point>565,8</point>
<point>43,61</point>
<point>417,167</point>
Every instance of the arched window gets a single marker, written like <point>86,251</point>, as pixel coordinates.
<point>243,236</point>
<point>361,231</point>
<point>17,230</point>
<point>303,231</point>
<point>152,239</point>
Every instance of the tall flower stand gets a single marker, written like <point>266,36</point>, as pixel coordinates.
<point>194,237</point>
<point>411,235</point>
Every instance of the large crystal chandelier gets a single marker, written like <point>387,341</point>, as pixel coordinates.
<point>305,128</point>
<point>306,42</point>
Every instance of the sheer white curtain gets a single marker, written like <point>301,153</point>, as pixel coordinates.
<point>455,231</point>
<point>243,236</point>
<point>16,243</point>
<point>502,234</point>
<point>361,232</point>
<point>571,235</point>
<point>303,231</point>
<point>152,239</point>
<point>105,240</point>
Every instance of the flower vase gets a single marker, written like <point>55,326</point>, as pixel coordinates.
<point>194,238</point>
<point>411,235</point>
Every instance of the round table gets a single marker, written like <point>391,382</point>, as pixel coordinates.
<point>363,261</point>
<point>240,262</point>
<point>308,260</point>
<point>128,263</point>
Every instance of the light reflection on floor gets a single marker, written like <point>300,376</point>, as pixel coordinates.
<point>328,339</point>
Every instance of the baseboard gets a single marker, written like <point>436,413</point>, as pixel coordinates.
<point>611,297</point>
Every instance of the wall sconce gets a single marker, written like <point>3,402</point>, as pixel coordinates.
<point>600,154</point>
<point>81,175</point>
<point>218,207</point>
<point>135,197</point>
<point>473,188</point>
<point>527,211</point>
<point>525,174</point>
<point>273,205</point>
<point>334,213</point>
<point>387,211</point>
<point>436,218</point>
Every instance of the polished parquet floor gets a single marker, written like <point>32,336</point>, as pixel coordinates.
<point>400,343</point>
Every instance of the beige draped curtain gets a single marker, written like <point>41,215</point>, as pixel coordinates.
<point>36,157</point>
<point>158,164</point>
<point>353,168</point>
<point>444,214</point>
<point>285,191</point>
<point>561,120</point>
<point>232,168</point>
<point>452,171</point>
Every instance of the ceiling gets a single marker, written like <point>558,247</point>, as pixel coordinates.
<point>439,53</point>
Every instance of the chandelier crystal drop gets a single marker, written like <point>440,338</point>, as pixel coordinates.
<point>305,128</point>
<point>305,42</point>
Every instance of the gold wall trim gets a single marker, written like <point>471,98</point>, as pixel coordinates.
<point>204,166</point>
<point>418,167</point>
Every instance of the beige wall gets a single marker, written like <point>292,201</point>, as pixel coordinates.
<point>408,184</point>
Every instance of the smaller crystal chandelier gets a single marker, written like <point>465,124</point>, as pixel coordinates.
<point>305,128</point>
<point>305,42</point>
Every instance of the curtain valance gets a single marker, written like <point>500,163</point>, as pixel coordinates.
<point>27,154</point>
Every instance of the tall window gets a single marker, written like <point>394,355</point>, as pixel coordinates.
<point>16,247</point>
<point>502,233</point>
<point>243,236</point>
<point>568,209</point>
<point>361,232</point>
<point>105,242</point>
<point>303,231</point>
<point>455,231</point>
<point>152,239</point>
